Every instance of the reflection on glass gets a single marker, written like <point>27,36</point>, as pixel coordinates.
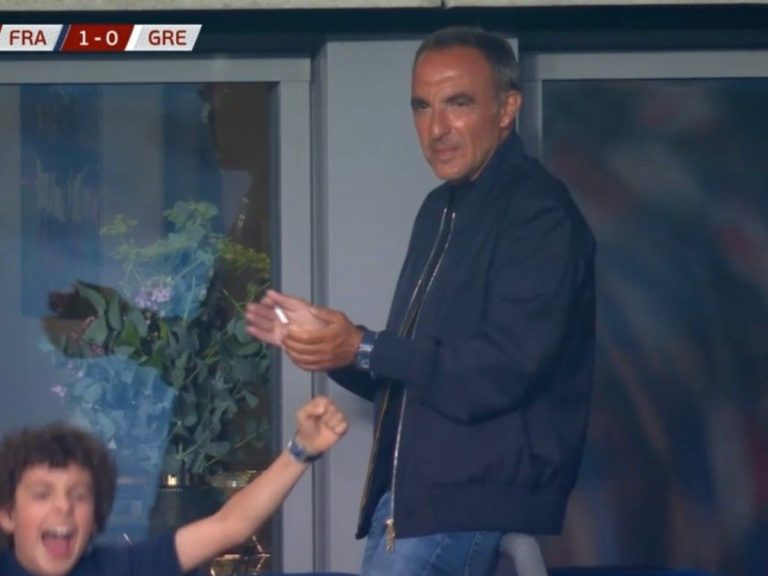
<point>672,177</point>
<point>251,557</point>
<point>138,220</point>
<point>60,188</point>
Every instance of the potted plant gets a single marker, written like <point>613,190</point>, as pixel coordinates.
<point>161,367</point>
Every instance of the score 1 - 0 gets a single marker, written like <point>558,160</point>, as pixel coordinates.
<point>97,38</point>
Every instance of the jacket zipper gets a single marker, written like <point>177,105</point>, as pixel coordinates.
<point>390,522</point>
<point>377,434</point>
<point>401,332</point>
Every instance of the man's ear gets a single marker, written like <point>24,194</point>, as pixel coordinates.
<point>7,524</point>
<point>510,106</point>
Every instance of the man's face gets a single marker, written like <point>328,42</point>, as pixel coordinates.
<point>459,114</point>
<point>51,518</point>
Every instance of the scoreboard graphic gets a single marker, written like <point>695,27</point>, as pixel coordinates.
<point>98,37</point>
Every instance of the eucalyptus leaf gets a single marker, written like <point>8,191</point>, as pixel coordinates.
<point>137,322</point>
<point>177,379</point>
<point>97,332</point>
<point>128,336</point>
<point>158,359</point>
<point>251,399</point>
<point>190,419</point>
<point>237,327</point>
<point>114,316</point>
<point>244,369</point>
<point>93,296</point>
<point>253,347</point>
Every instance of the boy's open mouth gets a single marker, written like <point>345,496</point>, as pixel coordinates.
<point>59,542</point>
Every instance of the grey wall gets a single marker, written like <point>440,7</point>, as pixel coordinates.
<point>371,179</point>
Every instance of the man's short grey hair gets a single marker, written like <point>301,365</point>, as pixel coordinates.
<point>494,47</point>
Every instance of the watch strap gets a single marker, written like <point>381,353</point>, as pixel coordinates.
<point>300,453</point>
<point>365,349</point>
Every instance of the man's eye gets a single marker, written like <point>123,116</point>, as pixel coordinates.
<point>40,494</point>
<point>81,496</point>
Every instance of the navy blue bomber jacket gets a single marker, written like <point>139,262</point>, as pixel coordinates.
<point>498,371</point>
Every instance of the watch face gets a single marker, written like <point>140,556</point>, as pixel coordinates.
<point>363,356</point>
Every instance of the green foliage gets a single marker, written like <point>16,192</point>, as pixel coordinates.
<point>177,338</point>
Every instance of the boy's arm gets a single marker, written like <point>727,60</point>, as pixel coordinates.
<point>320,426</point>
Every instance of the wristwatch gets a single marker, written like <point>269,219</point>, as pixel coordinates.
<point>300,453</point>
<point>364,349</point>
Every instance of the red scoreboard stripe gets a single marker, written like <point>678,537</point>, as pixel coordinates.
<point>96,37</point>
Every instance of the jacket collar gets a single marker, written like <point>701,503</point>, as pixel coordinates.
<point>469,196</point>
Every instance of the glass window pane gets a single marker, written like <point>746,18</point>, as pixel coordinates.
<point>135,224</point>
<point>672,177</point>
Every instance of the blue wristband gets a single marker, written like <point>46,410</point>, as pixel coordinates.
<point>300,453</point>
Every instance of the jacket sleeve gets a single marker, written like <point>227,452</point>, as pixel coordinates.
<point>356,381</point>
<point>542,259</point>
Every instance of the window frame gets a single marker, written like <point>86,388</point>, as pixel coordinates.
<point>537,68</point>
<point>290,195</point>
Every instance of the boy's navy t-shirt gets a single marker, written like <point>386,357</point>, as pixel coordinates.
<point>152,557</point>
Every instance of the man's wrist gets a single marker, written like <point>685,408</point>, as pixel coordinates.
<point>365,350</point>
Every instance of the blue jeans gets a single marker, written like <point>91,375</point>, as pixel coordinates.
<point>444,554</point>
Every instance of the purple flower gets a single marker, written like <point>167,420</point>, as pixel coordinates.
<point>153,293</point>
<point>59,390</point>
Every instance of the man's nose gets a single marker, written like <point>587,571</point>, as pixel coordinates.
<point>438,125</point>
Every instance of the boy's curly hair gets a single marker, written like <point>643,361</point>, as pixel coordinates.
<point>58,445</point>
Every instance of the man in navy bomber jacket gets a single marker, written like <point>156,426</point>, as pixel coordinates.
<point>481,379</point>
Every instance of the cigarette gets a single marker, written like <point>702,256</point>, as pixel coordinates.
<point>281,315</point>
